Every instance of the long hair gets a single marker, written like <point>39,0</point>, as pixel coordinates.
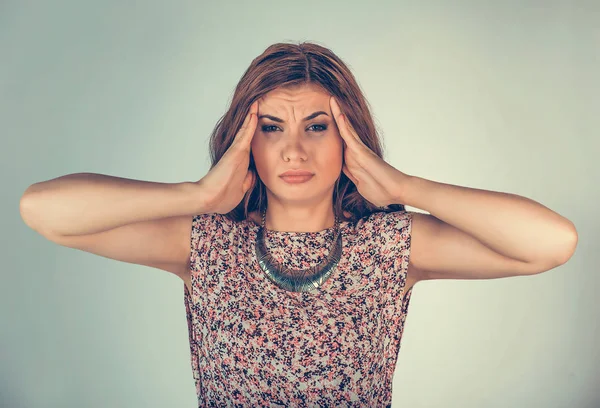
<point>287,65</point>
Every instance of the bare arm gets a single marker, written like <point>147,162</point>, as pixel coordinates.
<point>88,203</point>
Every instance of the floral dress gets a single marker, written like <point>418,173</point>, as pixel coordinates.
<point>255,344</point>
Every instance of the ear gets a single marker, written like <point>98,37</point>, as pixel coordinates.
<point>249,181</point>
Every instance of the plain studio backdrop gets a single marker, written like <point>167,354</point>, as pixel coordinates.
<point>499,96</point>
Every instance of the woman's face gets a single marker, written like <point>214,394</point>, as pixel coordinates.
<point>295,143</point>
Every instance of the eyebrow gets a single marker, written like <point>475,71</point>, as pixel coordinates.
<point>309,117</point>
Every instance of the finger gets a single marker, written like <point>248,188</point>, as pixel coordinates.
<point>253,122</point>
<point>345,128</point>
<point>250,129</point>
<point>244,126</point>
<point>241,135</point>
<point>350,132</point>
<point>251,118</point>
<point>254,107</point>
<point>248,114</point>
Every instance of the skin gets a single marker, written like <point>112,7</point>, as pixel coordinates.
<point>314,145</point>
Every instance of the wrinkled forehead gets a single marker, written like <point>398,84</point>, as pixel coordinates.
<point>294,102</point>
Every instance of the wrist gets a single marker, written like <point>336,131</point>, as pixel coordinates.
<point>197,197</point>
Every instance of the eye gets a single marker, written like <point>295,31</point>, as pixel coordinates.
<point>266,128</point>
<point>324,127</point>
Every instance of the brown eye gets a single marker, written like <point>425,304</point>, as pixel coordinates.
<point>268,128</point>
<point>264,128</point>
<point>324,127</point>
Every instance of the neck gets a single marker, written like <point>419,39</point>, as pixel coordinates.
<point>298,222</point>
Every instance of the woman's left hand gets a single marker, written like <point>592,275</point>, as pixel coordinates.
<point>377,181</point>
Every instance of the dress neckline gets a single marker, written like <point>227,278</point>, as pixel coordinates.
<point>322,232</point>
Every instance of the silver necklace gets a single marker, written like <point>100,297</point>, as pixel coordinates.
<point>297,280</point>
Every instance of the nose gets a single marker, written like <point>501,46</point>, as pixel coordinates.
<point>294,149</point>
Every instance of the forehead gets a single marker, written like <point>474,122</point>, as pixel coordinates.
<point>301,97</point>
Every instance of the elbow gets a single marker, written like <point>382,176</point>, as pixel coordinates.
<point>24,209</point>
<point>559,254</point>
<point>25,206</point>
<point>572,238</point>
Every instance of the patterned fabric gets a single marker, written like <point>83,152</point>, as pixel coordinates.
<point>254,344</point>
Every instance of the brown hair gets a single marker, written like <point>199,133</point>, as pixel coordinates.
<point>289,65</point>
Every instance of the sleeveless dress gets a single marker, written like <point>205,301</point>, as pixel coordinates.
<point>254,344</point>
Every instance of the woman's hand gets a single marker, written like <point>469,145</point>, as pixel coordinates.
<point>377,181</point>
<point>225,185</point>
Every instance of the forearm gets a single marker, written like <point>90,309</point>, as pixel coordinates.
<point>511,225</point>
<point>86,203</point>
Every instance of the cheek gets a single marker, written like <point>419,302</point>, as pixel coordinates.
<point>257,154</point>
<point>264,160</point>
<point>334,159</point>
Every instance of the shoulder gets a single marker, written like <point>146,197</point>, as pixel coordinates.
<point>396,227</point>
<point>385,232</point>
<point>208,227</point>
<point>396,219</point>
<point>212,220</point>
<point>391,224</point>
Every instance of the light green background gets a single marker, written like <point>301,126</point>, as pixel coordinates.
<point>502,96</point>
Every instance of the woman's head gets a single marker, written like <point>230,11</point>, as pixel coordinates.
<point>296,131</point>
<point>290,83</point>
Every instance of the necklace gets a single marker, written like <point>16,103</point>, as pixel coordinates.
<point>297,280</point>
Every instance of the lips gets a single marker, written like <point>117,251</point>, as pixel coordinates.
<point>296,173</point>
<point>296,179</point>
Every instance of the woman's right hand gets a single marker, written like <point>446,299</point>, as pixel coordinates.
<point>225,185</point>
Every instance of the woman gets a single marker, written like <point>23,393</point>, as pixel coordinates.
<point>297,287</point>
